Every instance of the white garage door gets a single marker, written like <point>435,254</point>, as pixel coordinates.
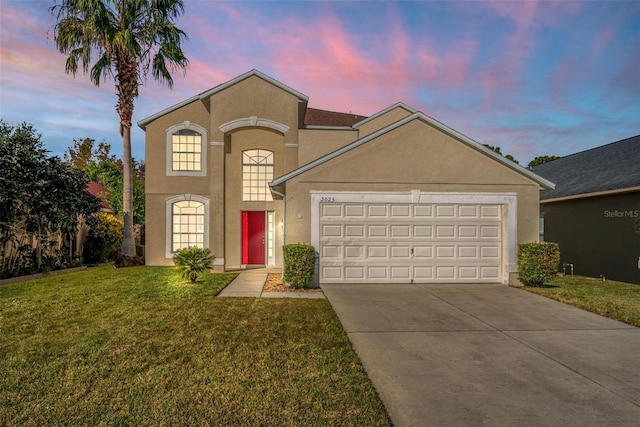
<point>409,243</point>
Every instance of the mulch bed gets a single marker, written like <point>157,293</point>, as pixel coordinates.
<point>274,284</point>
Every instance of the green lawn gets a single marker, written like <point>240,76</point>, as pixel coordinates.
<point>617,300</point>
<point>138,346</point>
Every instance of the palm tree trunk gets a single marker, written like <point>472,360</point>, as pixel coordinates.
<point>128,240</point>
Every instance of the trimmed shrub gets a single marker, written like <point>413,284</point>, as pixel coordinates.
<point>192,261</point>
<point>538,262</point>
<point>299,265</point>
<point>104,239</point>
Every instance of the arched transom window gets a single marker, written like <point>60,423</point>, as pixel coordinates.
<point>186,151</point>
<point>257,172</point>
<point>188,224</point>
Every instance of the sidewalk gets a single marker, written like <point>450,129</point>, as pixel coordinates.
<point>249,283</point>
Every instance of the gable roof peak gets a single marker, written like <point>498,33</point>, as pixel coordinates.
<point>417,115</point>
<point>204,95</point>
<point>385,111</point>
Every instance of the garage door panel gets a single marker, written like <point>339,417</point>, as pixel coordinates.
<point>468,211</point>
<point>445,231</point>
<point>400,231</point>
<point>400,252</point>
<point>402,243</point>
<point>377,211</point>
<point>400,211</point>
<point>353,251</point>
<point>421,252</point>
<point>377,251</point>
<point>445,211</point>
<point>331,230</point>
<point>423,211</point>
<point>354,211</point>
<point>331,251</point>
<point>331,210</point>
<point>422,231</point>
<point>375,231</point>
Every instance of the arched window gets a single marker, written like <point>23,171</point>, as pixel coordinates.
<point>257,172</point>
<point>187,223</point>
<point>186,149</point>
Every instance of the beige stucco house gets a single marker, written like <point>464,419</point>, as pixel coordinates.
<point>247,167</point>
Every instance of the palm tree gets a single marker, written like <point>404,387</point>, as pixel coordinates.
<point>129,38</point>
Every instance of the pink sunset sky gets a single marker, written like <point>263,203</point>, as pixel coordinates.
<point>533,77</point>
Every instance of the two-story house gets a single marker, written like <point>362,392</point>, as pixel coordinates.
<point>247,167</point>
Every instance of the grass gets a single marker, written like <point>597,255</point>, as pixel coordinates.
<point>139,346</point>
<point>617,300</point>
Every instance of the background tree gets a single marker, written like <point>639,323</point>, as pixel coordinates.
<point>104,168</point>
<point>40,196</point>
<point>129,37</point>
<point>497,150</point>
<point>542,159</point>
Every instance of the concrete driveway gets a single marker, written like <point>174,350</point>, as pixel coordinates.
<point>451,355</point>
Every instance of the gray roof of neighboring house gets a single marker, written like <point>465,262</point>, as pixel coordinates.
<point>614,166</point>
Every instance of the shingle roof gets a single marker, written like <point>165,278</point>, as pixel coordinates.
<point>614,166</point>
<point>316,117</point>
<point>100,192</point>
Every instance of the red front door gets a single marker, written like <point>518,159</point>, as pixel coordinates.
<point>253,237</point>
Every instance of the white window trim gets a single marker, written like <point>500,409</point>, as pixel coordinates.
<point>203,156</point>
<point>169,220</point>
<point>254,121</point>
<point>507,200</point>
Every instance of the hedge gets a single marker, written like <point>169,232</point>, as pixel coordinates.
<point>538,262</point>
<point>299,265</point>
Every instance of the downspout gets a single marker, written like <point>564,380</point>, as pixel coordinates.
<point>284,217</point>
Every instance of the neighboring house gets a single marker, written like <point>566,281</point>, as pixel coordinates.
<point>594,211</point>
<point>247,166</point>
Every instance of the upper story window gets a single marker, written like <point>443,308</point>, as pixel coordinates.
<point>257,172</point>
<point>186,149</point>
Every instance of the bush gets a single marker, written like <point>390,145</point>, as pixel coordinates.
<point>299,265</point>
<point>538,262</point>
<point>192,261</point>
<point>104,239</point>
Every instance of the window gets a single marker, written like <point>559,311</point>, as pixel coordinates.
<point>186,149</point>
<point>541,227</point>
<point>188,225</point>
<point>187,219</point>
<point>257,172</point>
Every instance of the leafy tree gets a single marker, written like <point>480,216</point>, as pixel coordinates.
<point>129,37</point>
<point>83,153</point>
<point>497,150</point>
<point>39,196</point>
<point>101,166</point>
<point>542,159</point>
<point>105,238</point>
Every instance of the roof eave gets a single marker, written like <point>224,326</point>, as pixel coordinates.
<point>592,194</point>
<point>144,122</point>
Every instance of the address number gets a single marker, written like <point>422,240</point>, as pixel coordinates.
<point>327,199</point>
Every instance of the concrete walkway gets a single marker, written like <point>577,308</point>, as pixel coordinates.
<point>490,355</point>
<point>249,283</point>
